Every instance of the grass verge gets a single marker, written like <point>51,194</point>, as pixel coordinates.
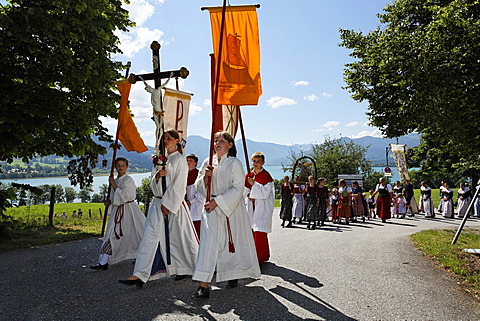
<point>464,266</point>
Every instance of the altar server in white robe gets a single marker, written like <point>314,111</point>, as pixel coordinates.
<point>224,219</point>
<point>169,203</point>
<point>194,199</point>
<point>260,196</point>
<point>125,226</point>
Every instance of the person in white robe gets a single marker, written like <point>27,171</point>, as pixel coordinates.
<point>476,205</point>
<point>464,197</point>
<point>226,240</point>
<point>259,196</point>
<point>169,203</point>
<point>447,201</point>
<point>426,200</point>
<point>194,199</point>
<point>125,226</point>
<point>298,201</point>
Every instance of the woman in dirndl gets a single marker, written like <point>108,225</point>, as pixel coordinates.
<point>384,199</point>
<point>344,200</point>
<point>287,202</point>
<point>311,195</point>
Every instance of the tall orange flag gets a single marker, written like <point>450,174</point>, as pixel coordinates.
<point>240,83</point>
<point>126,130</point>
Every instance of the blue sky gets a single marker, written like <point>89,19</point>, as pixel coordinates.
<point>301,66</point>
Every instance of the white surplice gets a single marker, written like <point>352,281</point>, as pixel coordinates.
<point>183,238</point>
<point>126,246</point>
<point>196,202</point>
<point>264,196</point>
<point>227,190</point>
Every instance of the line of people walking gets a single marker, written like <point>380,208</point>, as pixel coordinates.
<point>201,223</point>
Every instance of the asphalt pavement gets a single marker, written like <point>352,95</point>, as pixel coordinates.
<point>361,271</point>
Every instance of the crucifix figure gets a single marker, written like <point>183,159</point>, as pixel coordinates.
<point>156,93</point>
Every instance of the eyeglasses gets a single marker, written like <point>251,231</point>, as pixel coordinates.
<point>220,141</point>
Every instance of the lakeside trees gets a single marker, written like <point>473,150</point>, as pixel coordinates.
<point>419,72</point>
<point>57,79</point>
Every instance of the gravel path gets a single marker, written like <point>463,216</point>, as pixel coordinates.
<point>364,271</point>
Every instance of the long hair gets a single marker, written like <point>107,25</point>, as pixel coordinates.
<point>233,150</point>
<point>175,135</point>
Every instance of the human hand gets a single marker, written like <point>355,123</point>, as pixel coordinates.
<point>165,211</point>
<point>250,180</point>
<point>210,206</point>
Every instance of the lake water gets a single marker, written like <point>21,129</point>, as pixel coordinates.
<point>276,172</point>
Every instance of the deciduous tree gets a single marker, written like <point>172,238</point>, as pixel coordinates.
<point>419,71</point>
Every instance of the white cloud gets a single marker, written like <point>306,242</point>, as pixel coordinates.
<point>363,133</point>
<point>277,101</point>
<point>311,97</point>
<point>137,39</point>
<point>194,109</point>
<point>301,83</point>
<point>139,11</point>
<point>326,95</point>
<point>207,102</point>
<point>366,124</point>
<point>353,123</point>
<point>108,121</point>
<point>318,130</point>
<point>330,124</point>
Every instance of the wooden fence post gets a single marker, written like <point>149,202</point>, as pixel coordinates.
<point>52,205</point>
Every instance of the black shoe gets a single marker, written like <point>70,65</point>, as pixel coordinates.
<point>202,293</point>
<point>232,284</point>
<point>313,227</point>
<point>289,224</point>
<point>99,266</point>
<point>180,277</point>
<point>138,282</point>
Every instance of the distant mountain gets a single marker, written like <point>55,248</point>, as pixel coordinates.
<point>277,154</point>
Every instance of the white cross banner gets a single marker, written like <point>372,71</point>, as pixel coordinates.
<point>400,159</point>
<point>176,105</point>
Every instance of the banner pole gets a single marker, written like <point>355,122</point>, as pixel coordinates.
<point>244,141</point>
<point>215,95</point>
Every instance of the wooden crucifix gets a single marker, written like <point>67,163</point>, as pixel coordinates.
<point>156,92</point>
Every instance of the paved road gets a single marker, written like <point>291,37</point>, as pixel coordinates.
<point>364,271</point>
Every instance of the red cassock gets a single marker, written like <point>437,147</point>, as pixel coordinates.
<point>260,238</point>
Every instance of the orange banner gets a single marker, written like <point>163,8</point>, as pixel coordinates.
<point>126,130</point>
<point>240,83</point>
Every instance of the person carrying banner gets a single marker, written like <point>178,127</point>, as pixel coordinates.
<point>226,244</point>
<point>194,199</point>
<point>167,203</point>
<point>286,202</point>
<point>125,227</point>
<point>384,199</point>
<point>259,196</point>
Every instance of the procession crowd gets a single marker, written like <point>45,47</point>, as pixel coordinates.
<point>214,221</point>
<point>315,202</point>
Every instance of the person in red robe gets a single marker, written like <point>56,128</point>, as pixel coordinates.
<point>260,196</point>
